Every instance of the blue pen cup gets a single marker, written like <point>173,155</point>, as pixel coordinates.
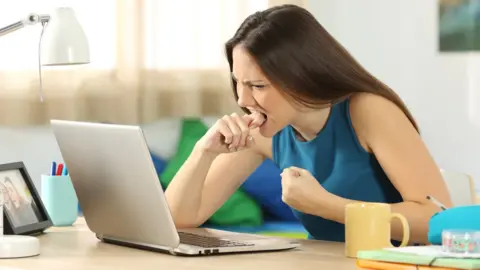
<point>60,199</point>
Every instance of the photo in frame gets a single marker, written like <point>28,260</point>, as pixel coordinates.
<point>459,25</point>
<point>23,209</point>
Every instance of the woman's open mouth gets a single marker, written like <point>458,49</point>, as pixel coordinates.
<point>265,117</point>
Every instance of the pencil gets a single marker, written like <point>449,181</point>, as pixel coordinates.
<point>436,202</point>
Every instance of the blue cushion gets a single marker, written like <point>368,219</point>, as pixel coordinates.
<point>264,185</point>
<point>158,162</point>
<point>269,226</point>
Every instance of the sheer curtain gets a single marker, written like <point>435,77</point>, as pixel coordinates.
<point>150,59</point>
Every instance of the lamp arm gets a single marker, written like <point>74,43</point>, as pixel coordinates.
<point>30,20</point>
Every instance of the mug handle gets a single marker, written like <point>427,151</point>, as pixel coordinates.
<point>406,228</point>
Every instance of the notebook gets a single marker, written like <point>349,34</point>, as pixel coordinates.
<point>366,264</point>
<point>419,255</point>
<point>433,250</point>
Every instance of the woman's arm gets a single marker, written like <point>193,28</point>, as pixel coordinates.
<point>386,132</point>
<point>205,181</point>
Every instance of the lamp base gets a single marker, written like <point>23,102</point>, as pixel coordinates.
<point>18,246</point>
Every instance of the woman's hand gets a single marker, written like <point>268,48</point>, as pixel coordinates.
<point>301,190</point>
<point>231,133</point>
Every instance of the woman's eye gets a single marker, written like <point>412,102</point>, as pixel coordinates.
<point>258,86</point>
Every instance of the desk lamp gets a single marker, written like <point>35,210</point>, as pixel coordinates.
<point>64,43</point>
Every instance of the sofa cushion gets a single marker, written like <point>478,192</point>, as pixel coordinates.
<point>291,229</point>
<point>265,186</point>
<point>158,162</point>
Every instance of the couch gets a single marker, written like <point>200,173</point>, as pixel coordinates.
<point>256,207</point>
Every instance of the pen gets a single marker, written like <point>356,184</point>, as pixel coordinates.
<point>54,168</point>
<point>59,169</point>
<point>64,171</point>
<point>436,202</point>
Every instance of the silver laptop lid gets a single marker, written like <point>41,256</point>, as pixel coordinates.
<point>116,183</point>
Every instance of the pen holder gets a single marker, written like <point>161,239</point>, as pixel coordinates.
<point>60,199</point>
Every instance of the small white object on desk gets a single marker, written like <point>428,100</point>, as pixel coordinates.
<point>16,246</point>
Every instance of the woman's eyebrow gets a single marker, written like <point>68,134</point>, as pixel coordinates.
<point>255,81</point>
<point>248,81</point>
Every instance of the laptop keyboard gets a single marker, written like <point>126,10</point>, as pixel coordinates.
<point>208,242</point>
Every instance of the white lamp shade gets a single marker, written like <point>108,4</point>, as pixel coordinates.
<point>64,42</point>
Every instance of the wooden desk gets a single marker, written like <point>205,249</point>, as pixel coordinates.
<point>77,248</point>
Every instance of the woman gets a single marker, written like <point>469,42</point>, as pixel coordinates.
<point>20,210</point>
<point>338,134</point>
<point>9,204</point>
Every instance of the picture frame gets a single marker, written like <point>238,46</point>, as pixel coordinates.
<point>24,212</point>
<point>458,26</point>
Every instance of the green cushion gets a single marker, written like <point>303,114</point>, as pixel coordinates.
<point>296,235</point>
<point>239,209</point>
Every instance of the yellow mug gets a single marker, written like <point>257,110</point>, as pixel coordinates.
<point>367,227</point>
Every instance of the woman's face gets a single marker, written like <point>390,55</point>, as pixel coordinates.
<point>12,193</point>
<point>256,93</point>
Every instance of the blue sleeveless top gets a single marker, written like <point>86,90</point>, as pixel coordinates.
<point>339,163</point>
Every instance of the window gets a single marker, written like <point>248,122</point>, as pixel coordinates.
<point>191,34</point>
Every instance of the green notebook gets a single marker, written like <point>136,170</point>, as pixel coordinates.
<point>419,259</point>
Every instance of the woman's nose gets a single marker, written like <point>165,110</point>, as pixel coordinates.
<point>245,98</point>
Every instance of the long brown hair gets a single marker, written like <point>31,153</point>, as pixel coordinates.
<point>303,60</point>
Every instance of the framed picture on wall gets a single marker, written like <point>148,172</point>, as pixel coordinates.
<point>23,210</point>
<point>459,25</point>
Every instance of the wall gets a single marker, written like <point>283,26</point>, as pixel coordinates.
<point>396,40</point>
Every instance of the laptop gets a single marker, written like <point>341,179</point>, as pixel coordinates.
<point>122,199</point>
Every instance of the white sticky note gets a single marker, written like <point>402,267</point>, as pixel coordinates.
<point>433,251</point>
